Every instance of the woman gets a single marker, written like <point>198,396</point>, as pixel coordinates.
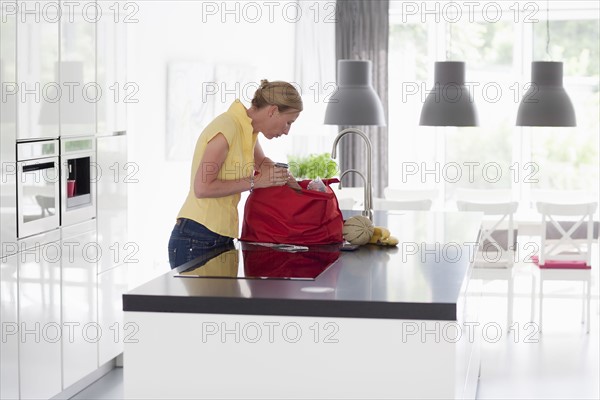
<point>229,160</point>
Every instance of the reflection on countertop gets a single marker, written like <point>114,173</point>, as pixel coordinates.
<point>260,262</point>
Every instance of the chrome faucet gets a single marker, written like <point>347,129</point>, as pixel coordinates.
<point>368,200</point>
<point>367,211</point>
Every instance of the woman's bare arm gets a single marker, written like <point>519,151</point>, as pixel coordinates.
<point>208,185</point>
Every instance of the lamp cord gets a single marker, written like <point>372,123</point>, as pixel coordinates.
<point>548,30</point>
<point>449,44</point>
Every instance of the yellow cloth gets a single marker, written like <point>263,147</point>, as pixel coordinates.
<point>220,214</point>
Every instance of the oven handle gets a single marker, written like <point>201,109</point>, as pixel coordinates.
<point>37,167</point>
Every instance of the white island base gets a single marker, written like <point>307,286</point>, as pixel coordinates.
<point>212,356</point>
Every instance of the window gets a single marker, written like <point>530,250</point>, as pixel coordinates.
<point>410,149</point>
<point>498,49</point>
<point>568,158</point>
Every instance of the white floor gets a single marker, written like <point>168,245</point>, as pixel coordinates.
<point>109,387</point>
<point>561,363</point>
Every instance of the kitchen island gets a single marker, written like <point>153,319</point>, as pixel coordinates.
<point>257,322</point>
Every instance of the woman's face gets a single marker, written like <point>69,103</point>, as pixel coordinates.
<point>279,123</point>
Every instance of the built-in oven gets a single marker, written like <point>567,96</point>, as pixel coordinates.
<point>38,183</point>
<point>78,183</point>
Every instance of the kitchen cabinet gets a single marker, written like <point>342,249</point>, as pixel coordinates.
<point>39,276</point>
<point>78,70</point>
<point>37,54</point>
<point>9,345</point>
<point>113,178</point>
<point>64,67</point>
<point>79,301</point>
<point>112,285</point>
<point>111,71</point>
<point>113,268</point>
<point>8,132</point>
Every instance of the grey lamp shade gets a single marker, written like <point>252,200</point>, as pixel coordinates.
<point>449,103</point>
<point>546,103</point>
<point>355,101</point>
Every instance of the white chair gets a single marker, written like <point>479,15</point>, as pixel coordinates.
<point>497,242</point>
<point>563,196</point>
<point>409,205</point>
<point>354,193</point>
<point>529,221</point>
<point>390,193</point>
<point>484,195</point>
<point>346,203</point>
<point>565,250</point>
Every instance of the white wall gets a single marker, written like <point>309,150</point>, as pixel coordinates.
<point>175,31</point>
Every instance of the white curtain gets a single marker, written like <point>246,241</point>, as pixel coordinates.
<point>314,73</point>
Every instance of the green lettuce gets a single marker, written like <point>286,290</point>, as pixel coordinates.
<point>313,166</point>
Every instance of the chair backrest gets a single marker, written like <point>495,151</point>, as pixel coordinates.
<point>414,205</point>
<point>492,231</point>
<point>568,247</point>
<point>390,193</point>
<point>346,203</point>
<point>483,195</point>
<point>355,193</point>
<point>563,196</point>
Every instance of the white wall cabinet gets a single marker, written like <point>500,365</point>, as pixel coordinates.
<point>38,77</point>
<point>111,211</point>
<point>79,301</point>
<point>9,345</point>
<point>63,290</point>
<point>8,132</point>
<point>113,268</point>
<point>39,316</point>
<point>78,70</point>
<point>111,71</point>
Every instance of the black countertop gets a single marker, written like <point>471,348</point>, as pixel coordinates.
<point>421,278</point>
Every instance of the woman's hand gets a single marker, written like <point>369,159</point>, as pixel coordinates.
<point>269,175</point>
<point>293,183</point>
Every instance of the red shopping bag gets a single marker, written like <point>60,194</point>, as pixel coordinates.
<point>285,215</point>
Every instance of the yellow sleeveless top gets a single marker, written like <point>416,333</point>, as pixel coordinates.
<point>220,214</point>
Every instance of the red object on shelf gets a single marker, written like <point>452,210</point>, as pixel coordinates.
<point>285,215</point>
<point>70,188</point>
<point>561,264</point>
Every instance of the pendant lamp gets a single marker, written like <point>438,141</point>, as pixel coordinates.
<point>546,103</point>
<point>355,102</point>
<point>449,103</point>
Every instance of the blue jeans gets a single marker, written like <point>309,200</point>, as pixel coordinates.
<point>190,240</point>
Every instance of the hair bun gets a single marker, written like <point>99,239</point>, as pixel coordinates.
<point>277,93</point>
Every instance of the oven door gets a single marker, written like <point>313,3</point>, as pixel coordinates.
<point>37,196</point>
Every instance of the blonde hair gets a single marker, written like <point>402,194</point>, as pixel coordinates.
<point>277,93</point>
